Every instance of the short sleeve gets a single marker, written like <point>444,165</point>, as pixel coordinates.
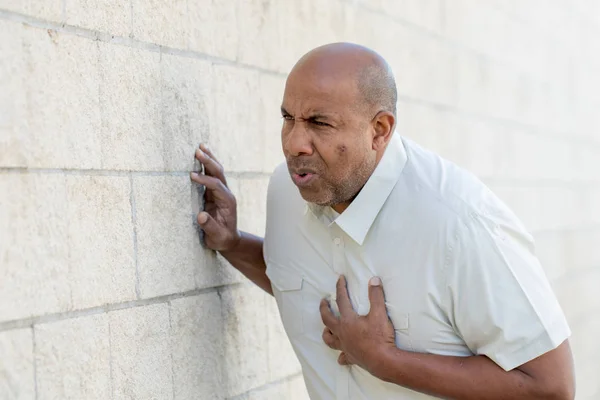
<point>502,304</point>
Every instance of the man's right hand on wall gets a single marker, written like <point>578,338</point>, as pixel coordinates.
<point>218,220</point>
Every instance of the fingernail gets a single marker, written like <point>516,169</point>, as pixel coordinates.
<point>202,218</point>
<point>375,281</point>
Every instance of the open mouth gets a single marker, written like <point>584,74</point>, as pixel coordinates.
<point>302,178</point>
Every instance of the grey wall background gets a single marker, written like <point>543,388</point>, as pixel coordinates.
<point>105,292</point>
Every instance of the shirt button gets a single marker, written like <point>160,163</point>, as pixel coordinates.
<point>337,241</point>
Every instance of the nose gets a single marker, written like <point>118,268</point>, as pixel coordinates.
<point>297,140</point>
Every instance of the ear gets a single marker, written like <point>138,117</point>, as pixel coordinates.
<point>383,129</point>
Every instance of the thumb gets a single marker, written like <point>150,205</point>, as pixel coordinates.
<point>376,297</point>
<point>208,224</point>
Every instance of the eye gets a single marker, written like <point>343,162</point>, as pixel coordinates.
<point>287,117</point>
<point>320,123</point>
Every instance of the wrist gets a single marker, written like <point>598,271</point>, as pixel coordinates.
<point>233,244</point>
<point>383,360</point>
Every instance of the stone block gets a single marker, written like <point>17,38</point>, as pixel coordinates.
<point>197,347</point>
<point>271,89</point>
<point>73,359</point>
<point>236,135</point>
<point>578,294</point>
<point>583,249</point>
<point>260,39</point>
<point>298,388</point>
<point>17,366</point>
<point>13,110</point>
<point>282,359</point>
<point>584,343</point>
<point>594,199</point>
<point>101,240</point>
<point>213,27</point>
<point>426,69</point>
<point>312,25</point>
<point>245,364</point>
<point>428,14</point>
<point>584,162</point>
<point>33,245</point>
<point>49,10</point>
<point>61,84</point>
<point>552,251</point>
<point>289,389</point>
<point>474,24</point>
<point>275,390</point>
<point>473,82</point>
<point>111,16</point>
<point>484,148</point>
<point>588,386</point>
<point>130,101</point>
<point>538,157</point>
<point>141,353</point>
<point>252,204</point>
<point>159,22</point>
<point>428,126</point>
<point>170,256</point>
<point>186,106</point>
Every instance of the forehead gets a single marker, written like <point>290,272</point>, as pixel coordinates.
<point>310,92</point>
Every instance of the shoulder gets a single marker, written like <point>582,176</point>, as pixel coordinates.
<point>454,193</point>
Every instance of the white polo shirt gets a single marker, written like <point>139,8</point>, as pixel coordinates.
<point>458,269</point>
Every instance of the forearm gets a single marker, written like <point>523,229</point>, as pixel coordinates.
<point>247,257</point>
<point>475,377</point>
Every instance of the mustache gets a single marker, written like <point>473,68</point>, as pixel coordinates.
<point>295,164</point>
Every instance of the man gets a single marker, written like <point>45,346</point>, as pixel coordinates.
<point>397,274</point>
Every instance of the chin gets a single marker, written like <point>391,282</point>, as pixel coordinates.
<point>311,196</point>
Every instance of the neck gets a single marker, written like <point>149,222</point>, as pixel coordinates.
<point>339,208</point>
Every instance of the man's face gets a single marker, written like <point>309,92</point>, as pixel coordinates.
<point>326,137</point>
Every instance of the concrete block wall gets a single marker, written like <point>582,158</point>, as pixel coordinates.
<point>105,290</point>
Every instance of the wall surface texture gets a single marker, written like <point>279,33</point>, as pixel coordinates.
<point>105,290</point>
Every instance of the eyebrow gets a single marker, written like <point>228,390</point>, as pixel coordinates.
<point>316,115</point>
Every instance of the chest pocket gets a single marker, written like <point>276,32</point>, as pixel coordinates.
<point>400,320</point>
<point>287,287</point>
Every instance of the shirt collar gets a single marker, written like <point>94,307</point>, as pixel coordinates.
<point>357,219</point>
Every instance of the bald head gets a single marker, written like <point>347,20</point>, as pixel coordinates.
<point>338,114</point>
<point>366,70</point>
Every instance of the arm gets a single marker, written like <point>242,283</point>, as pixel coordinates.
<point>219,222</point>
<point>546,377</point>
<point>247,257</point>
<point>368,341</point>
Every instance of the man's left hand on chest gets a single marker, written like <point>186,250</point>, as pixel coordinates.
<point>361,339</point>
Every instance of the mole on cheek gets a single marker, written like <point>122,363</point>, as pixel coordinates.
<point>341,149</point>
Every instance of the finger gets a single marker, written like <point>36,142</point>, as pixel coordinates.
<point>343,300</point>
<point>330,339</point>
<point>211,166</point>
<point>376,297</point>
<point>329,319</point>
<point>343,359</point>
<point>215,185</point>
<point>205,149</point>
